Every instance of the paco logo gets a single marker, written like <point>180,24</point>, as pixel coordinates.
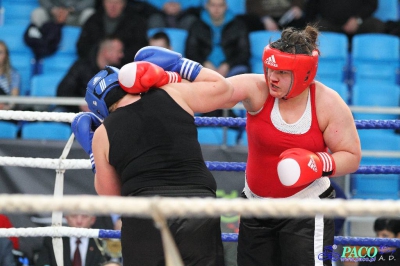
<point>355,253</point>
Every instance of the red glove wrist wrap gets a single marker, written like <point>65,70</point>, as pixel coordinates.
<point>328,164</point>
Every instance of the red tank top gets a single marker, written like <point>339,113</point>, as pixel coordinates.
<point>266,143</point>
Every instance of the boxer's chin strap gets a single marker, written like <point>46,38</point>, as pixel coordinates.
<point>290,89</point>
<point>171,253</point>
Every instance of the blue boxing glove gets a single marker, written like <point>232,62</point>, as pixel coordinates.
<point>83,126</point>
<point>169,61</point>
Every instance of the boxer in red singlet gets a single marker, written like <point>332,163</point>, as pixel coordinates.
<point>300,133</point>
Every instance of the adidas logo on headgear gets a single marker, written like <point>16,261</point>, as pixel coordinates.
<point>271,61</point>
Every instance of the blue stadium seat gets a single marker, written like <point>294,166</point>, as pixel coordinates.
<point>377,186</point>
<point>210,135</point>
<point>238,7</point>
<point>176,36</point>
<point>215,136</point>
<point>375,56</point>
<point>13,35</point>
<point>18,12</point>
<point>340,87</point>
<point>258,41</point>
<point>8,130</point>
<point>243,140</point>
<point>375,94</point>
<point>60,62</point>
<point>57,64</point>
<point>45,85</point>
<point>69,38</point>
<point>333,60</point>
<point>232,137</point>
<point>387,10</point>
<point>46,131</point>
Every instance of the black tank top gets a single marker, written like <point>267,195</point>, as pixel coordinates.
<point>153,143</point>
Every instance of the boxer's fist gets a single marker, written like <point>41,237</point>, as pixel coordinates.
<point>138,77</point>
<point>169,61</point>
<point>83,126</point>
<point>299,167</point>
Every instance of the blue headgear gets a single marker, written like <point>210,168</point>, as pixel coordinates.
<point>98,96</point>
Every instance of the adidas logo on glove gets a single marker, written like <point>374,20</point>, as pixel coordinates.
<point>312,165</point>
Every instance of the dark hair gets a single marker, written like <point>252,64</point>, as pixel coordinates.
<point>389,224</point>
<point>161,35</point>
<point>297,41</point>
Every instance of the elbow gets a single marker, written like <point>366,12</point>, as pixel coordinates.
<point>356,161</point>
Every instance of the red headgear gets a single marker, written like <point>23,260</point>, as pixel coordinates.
<point>304,67</point>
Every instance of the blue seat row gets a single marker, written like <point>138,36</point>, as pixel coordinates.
<point>35,130</point>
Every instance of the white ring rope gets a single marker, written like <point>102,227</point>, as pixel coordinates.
<point>194,207</point>
<point>78,101</point>
<point>45,163</point>
<point>53,231</point>
<point>36,116</point>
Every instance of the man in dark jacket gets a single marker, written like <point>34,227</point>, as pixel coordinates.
<point>88,251</point>
<point>115,19</point>
<point>108,52</point>
<point>349,17</point>
<point>219,40</point>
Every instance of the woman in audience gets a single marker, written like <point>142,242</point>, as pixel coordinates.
<point>10,79</point>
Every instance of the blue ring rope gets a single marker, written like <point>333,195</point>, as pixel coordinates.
<point>364,169</point>
<point>338,240</point>
<point>241,122</point>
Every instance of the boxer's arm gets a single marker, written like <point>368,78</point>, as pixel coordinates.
<point>339,131</point>
<point>210,91</point>
<point>250,89</point>
<point>106,180</point>
<point>83,126</point>
<point>170,61</point>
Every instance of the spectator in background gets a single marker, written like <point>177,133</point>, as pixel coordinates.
<point>44,33</point>
<point>172,14</point>
<point>343,16</point>
<point>70,12</point>
<point>115,19</point>
<point>160,39</point>
<point>10,79</point>
<point>89,250</point>
<point>139,6</point>
<point>219,40</point>
<point>109,52</point>
<point>6,255</point>
<point>274,15</point>
<point>386,227</point>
